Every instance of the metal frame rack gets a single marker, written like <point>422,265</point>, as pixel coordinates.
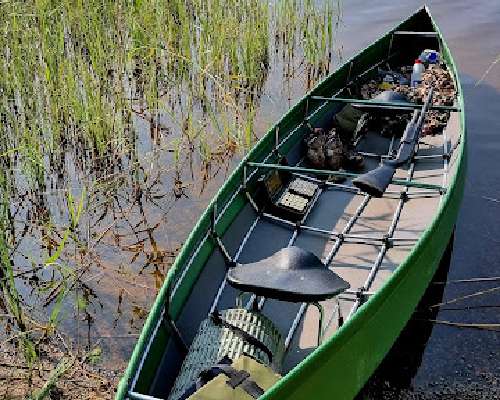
<point>386,241</point>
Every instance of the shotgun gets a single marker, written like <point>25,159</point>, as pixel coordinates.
<point>375,182</point>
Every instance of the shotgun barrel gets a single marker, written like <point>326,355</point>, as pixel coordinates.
<point>376,181</point>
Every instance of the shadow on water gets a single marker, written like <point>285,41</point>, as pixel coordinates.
<point>399,367</point>
<point>433,361</point>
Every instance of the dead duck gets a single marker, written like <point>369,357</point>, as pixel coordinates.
<point>315,154</point>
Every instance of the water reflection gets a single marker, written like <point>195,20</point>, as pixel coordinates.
<point>112,148</point>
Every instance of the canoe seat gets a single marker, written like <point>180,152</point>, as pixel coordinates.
<point>292,274</point>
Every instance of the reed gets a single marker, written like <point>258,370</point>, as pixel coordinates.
<point>84,84</point>
<point>70,67</point>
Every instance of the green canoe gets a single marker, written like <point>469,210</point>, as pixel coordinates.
<point>386,249</point>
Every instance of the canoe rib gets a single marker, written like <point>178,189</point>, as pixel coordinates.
<point>407,183</point>
<point>383,104</point>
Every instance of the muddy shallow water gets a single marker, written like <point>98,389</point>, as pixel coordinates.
<point>140,216</point>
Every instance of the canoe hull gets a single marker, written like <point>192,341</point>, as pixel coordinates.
<point>342,364</point>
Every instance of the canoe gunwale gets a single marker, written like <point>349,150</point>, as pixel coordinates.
<point>233,188</point>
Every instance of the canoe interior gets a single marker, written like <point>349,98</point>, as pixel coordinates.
<point>199,272</point>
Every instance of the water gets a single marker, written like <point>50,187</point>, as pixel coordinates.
<point>140,219</point>
<point>97,212</point>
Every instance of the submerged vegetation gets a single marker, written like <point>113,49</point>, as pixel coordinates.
<point>113,114</point>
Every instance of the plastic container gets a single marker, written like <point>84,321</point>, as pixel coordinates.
<point>416,75</point>
<point>403,80</point>
<point>429,56</point>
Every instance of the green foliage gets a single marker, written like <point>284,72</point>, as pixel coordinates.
<point>78,80</point>
<point>69,67</point>
<point>94,356</point>
<point>75,212</point>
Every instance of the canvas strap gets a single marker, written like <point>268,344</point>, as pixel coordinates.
<point>239,378</point>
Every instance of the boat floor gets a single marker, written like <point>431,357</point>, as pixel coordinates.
<point>335,209</point>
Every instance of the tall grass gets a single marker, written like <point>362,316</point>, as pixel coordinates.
<point>80,81</point>
<point>70,68</point>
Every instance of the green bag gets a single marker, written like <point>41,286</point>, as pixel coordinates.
<point>347,120</point>
<point>244,379</point>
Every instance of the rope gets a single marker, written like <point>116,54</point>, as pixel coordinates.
<point>489,327</point>
<point>483,279</point>
<point>466,308</point>
<point>478,293</point>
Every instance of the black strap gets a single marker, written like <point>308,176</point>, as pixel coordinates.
<point>240,378</point>
<point>237,378</point>
<point>218,320</point>
<point>252,388</point>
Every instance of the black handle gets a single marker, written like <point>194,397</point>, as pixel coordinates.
<point>375,182</point>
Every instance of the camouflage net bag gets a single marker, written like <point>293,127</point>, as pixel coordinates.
<point>232,333</point>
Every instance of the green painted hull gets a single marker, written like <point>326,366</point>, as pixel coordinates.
<point>342,364</point>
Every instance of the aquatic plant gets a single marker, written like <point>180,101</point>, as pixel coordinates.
<point>111,112</point>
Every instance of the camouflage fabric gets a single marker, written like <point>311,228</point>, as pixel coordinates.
<point>334,152</point>
<point>347,120</point>
<point>315,154</point>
